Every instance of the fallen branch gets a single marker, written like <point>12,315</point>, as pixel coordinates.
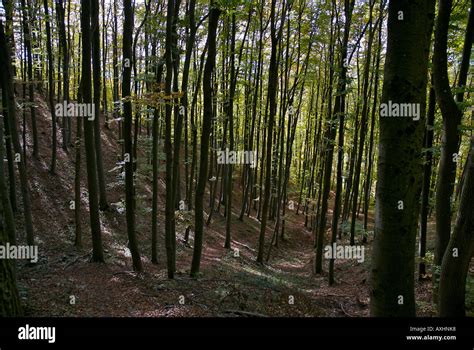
<point>244,313</point>
<point>342,308</point>
<point>75,261</point>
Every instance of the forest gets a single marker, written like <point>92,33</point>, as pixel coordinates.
<point>236,158</point>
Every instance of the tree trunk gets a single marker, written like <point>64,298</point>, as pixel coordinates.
<point>452,115</point>
<point>9,151</point>
<point>77,177</point>
<point>97,250</point>
<point>51,88</point>
<point>368,182</point>
<point>169,210</point>
<point>455,266</point>
<point>230,115</point>
<point>104,65</point>
<point>328,144</point>
<point>214,14</point>
<point>127,135</point>
<point>27,41</point>
<point>10,305</point>
<point>339,111</point>
<point>115,85</point>
<point>9,298</point>
<point>154,206</point>
<point>363,125</point>
<point>271,97</point>
<point>425,194</point>
<point>97,78</point>
<point>60,15</point>
<point>7,85</point>
<point>399,166</point>
<point>184,100</point>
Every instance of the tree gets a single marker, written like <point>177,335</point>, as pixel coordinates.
<point>271,96</point>
<point>60,15</point>
<point>8,217</point>
<point>116,78</point>
<point>458,254</point>
<point>8,87</point>
<point>230,116</point>
<point>399,166</point>
<point>363,124</point>
<point>214,13</point>
<point>170,238</point>
<point>97,78</point>
<point>339,111</point>
<point>327,158</point>
<point>178,125</point>
<point>27,35</point>
<point>455,265</point>
<point>9,298</point>
<point>127,135</point>
<point>97,250</point>
<point>427,168</point>
<point>154,206</point>
<point>247,203</point>
<point>9,8</point>
<point>51,88</point>
<point>9,153</point>
<point>77,177</point>
<point>452,115</point>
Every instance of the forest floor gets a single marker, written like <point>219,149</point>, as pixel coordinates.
<point>65,283</point>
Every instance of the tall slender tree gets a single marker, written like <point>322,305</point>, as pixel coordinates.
<point>425,192</point>
<point>452,116</point>
<point>8,216</point>
<point>9,299</point>
<point>51,87</point>
<point>60,16</point>
<point>230,116</point>
<point>77,178</point>
<point>272,103</point>
<point>27,36</point>
<point>328,144</point>
<point>155,136</point>
<point>459,251</point>
<point>127,135</point>
<point>458,254</point>
<point>363,123</point>
<point>339,111</point>
<point>214,13</point>
<point>91,161</point>
<point>8,87</point>
<point>170,239</point>
<point>95,32</point>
